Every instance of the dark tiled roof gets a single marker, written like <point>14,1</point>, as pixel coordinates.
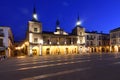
<point>79,26</point>
<point>95,32</point>
<point>91,32</point>
<point>35,21</point>
<point>116,29</point>
<point>47,32</point>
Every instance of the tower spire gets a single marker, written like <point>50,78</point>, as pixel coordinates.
<point>35,18</point>
<point>57,24</point>
<point>78,21</point>
<point>78,18</point>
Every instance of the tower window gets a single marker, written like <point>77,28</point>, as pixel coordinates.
<point>81,41</point>
<point>35,29</point>
<point>35,40</point>
<point>80,33</point>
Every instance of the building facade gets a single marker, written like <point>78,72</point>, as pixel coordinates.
<point>54,43</point>
<point>39,42</point>
<point>97,42</point>
<point>6,41</point>
<point>115,40</point>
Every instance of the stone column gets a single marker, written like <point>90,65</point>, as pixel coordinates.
<point>30,50</point>
<point>40,47</point>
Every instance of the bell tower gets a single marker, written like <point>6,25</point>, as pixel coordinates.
<point>35,35</point>
<point>79,31</point>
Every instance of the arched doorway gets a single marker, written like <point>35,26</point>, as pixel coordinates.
<point>48,51</point>
<point>35,51</point>
<point>75,51</point>
<point>113,49</point>
<point>95,50</point>
<point>66,50</point>
<point>92,50</point>
<point>118,49</point>
<point>103,49</point>
<point>58,50</point>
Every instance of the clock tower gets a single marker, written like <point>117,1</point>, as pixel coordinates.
<point>35,35</point>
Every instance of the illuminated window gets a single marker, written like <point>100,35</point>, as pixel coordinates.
<point>48,51</point>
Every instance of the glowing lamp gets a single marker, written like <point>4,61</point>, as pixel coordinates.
<point>78,23</point>
<point>35,16</point>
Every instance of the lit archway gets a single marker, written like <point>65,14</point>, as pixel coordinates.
<point>35,51</point>
<point>48,51</point>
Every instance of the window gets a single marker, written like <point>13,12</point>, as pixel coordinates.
<point>1,30</point>
<point>91,43</point>
<point>87,43</point>
<point>119,34</point>
<point>48,41</point>
<point>35,40</point>
<point>99,43</point>
<point>48,51</point>
<point>114,41</point>
<point>80,33</point>
<point>91,36</point>
<point>35,29</point>
<point>1,42</point>
<point>81,41</point>
<point>87,37</point>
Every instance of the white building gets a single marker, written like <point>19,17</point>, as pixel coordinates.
<point>97,42</point>
<point>6,41</point>
<point>115,40</point>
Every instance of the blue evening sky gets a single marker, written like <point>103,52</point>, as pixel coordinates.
<point>100,15</point>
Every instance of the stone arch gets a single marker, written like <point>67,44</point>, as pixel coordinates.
<point>35,50</point>
<point>48,51</point>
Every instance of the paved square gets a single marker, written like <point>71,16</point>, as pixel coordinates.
<point>62,67</point>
